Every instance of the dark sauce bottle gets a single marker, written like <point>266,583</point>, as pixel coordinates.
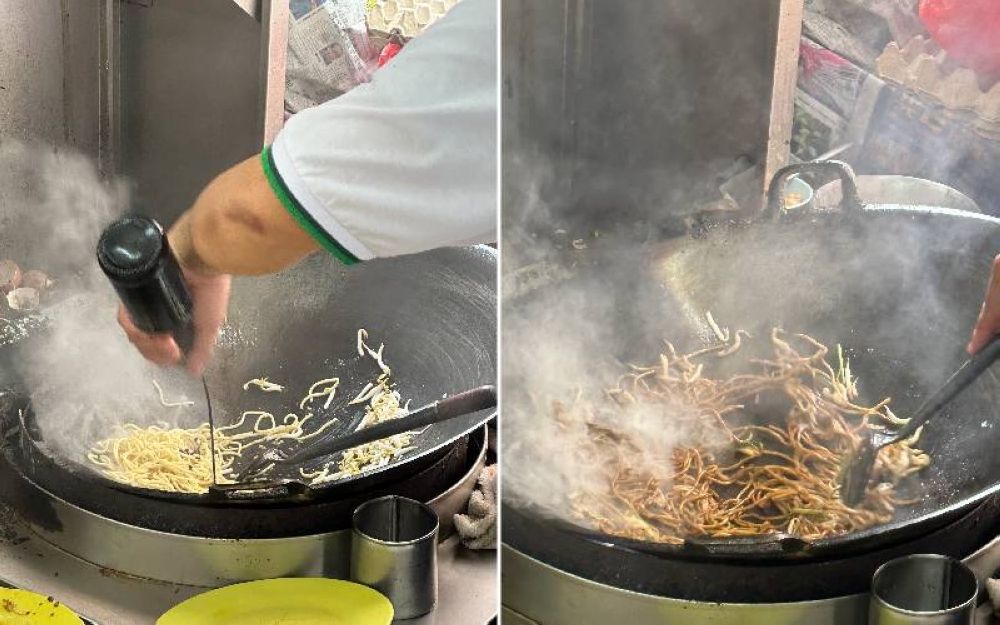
<point>135,255</point>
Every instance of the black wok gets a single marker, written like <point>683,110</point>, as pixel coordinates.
<point>898,287</point>
<point>435,312</point>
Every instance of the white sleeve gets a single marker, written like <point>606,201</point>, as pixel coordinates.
<point>407,162</point>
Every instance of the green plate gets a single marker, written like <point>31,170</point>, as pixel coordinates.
<point>292,601</point>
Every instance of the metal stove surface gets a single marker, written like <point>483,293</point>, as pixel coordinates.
<point>467,583</point>
<point>554,597</point>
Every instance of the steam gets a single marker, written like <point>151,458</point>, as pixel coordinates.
<point>570,344</point>
<point>85,378</point>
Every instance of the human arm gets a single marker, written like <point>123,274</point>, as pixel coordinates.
<point>988,324</point>
<point>404,164</point>
<point>236,226</point>
<point>414,152</point>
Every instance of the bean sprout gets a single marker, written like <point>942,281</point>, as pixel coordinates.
<point>264,385</point>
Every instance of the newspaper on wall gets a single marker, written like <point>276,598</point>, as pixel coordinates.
<point>329,51</point>
<point>334,45</point>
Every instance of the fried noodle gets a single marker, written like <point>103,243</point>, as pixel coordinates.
<point>735,475</point>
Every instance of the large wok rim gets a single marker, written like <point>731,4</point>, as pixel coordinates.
<point>473,462</point>
<point>315,494</point>
<point>175,518</point>
<point>571,260</point>
<point>844,545</point>
<point>734,550</point>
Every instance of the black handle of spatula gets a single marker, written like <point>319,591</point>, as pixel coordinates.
<point>968,373</point>
<point>458,405</point>
<point>760,545</point>
<point>135,255</point>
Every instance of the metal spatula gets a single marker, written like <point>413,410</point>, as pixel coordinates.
<point>858,467</point>
<point>452,407</point>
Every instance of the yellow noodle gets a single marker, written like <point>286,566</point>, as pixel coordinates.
<point>165,458</point>
<point>177,459</point>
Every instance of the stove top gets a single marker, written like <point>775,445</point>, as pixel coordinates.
<point>521,581</point>
<point>467,583</point>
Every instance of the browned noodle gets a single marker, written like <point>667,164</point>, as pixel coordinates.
<point>730,476</point>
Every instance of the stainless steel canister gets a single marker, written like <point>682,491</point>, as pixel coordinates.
<point>923,590</point>
<point>394,551</point>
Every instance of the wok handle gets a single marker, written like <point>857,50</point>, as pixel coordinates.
<point>260,491</point>
<point>849,203</point>
<point>769,544</point>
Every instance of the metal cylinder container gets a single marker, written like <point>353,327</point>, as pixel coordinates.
<point>923,590</point>
<point>394,551</point>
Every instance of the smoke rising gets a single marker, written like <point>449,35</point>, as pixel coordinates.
<point>568,341</point>
<point>85,378</point>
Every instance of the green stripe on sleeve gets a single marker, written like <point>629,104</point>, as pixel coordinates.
<point>299,214</point>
